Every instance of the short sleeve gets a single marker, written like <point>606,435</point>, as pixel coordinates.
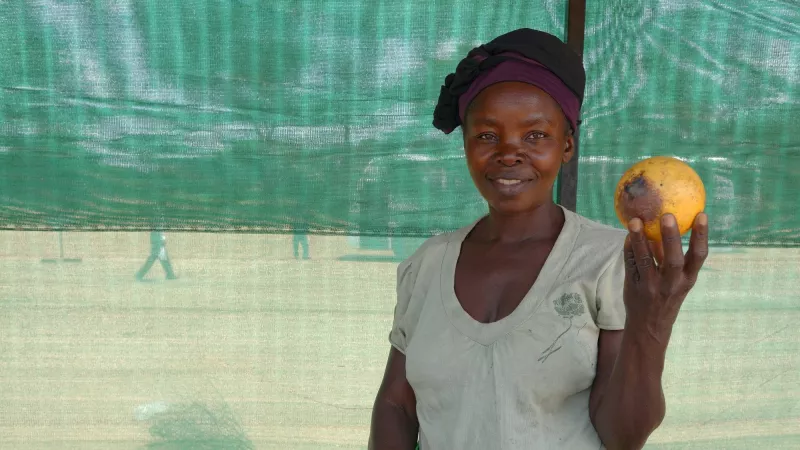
<point>406,276</point>
<point>610,306</point>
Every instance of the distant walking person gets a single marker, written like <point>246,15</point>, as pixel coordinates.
<point>300,240</point>
<point>158,250</point>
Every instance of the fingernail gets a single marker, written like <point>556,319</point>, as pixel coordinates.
<point>635,225</point>
<point>668,220</point>
<point>702,219</point>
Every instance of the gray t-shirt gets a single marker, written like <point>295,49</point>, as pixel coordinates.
<point>522,382</point>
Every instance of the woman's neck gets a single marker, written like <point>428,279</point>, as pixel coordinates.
<point>543,222</point>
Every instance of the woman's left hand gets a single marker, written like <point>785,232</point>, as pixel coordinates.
<point>655,290</point>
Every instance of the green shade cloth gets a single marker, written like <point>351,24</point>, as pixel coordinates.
<point>316,115</point>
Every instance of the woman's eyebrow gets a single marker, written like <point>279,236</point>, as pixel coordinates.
<point>491,121</point>
<point>537,120</point>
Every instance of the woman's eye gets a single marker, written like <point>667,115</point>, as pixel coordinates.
<point>537,135</point>
<point>486,137</point>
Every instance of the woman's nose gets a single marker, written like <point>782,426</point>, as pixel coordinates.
<point>509,155</point>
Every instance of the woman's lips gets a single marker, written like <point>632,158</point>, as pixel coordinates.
<point>509,186</point>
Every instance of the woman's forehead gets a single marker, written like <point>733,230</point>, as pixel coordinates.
<point>515,98</point>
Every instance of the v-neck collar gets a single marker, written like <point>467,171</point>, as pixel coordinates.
<point>488,333</point>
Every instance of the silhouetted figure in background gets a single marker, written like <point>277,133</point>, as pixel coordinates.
<point>158,250</point>
<point>299,240</point>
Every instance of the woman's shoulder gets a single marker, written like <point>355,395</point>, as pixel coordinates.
<point>596,234</point>
<point>597,246</point>
<point>435,245</point>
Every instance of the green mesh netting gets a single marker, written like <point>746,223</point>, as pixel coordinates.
<point>317,114</point>
<point>307,124</point>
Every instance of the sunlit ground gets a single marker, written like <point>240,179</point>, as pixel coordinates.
<point>251,348</point>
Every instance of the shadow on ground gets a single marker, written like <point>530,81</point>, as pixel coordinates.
<point>197,426</point>
<point>371,258</point>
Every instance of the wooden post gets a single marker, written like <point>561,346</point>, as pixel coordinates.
<point>567,195</point>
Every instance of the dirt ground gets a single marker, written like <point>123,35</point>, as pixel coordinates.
<point>251,348</point>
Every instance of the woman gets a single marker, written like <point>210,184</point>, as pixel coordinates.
<point>534,327</point>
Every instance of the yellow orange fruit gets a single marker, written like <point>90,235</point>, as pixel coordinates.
<point>657,186</point>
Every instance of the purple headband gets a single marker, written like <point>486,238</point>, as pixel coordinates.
<point>526,71</point>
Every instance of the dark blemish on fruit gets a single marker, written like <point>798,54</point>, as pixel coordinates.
<point>639,199</point>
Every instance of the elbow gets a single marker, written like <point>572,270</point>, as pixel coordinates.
<point>393,426</point>
<point>633,441</point>
<point>631,434</point>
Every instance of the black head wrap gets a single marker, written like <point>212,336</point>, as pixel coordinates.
<point>539,46</point>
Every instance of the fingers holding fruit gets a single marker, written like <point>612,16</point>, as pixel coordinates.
<point>659,200</point>
<point>657,186</point>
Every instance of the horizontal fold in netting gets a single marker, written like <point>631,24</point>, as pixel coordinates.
<point>316,116</point>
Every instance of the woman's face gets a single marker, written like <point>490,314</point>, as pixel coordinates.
<point>516,139</point>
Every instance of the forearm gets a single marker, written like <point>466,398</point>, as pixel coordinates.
<point>392,428</point>
<point>633,404</point>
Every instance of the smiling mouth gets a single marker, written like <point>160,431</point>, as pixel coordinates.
<point>507,182</point>
<point>509,186</point>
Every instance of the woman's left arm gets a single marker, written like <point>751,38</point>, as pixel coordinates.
<point>627,399</point>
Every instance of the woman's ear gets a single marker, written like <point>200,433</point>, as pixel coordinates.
<point>569,149</point>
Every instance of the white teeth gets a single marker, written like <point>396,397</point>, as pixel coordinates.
<point>508,182</point>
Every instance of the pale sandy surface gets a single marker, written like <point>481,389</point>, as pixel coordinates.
<point>296,348</point>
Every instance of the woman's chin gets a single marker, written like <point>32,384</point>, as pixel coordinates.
<point>520,204</point>
<point>511,206</point>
